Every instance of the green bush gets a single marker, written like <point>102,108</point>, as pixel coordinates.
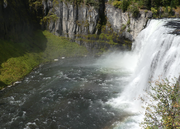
<point>124,5</point>
<point>144,4</point>
<point>128,22</point>
<point>123,27</point>
<point>141,4</point>
<point>169,9</point>
<point>163,106</point>
<point>117,4</point>
<point>154,11</point>
<point>134,10</point>
<point>145,11</point>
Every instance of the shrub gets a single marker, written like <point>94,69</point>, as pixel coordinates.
<point>101,36</point>
<point>124,5</point>
<point>134,10</point>
<point>163,9</point>
<point>128,22</point>
<point>123,27</point>
<point>145,11</point>
<point>153,10</point>
<point>141,4</point>
<point>117,4</point>
<point>163,106</point>
<point>86,23</point>
<point>170,10</point>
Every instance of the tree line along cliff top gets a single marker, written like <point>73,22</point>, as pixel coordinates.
<point>162,8</point>
<point>159,8</point>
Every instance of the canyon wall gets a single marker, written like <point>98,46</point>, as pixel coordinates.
<point>16,18</point>
<point>74,20</point>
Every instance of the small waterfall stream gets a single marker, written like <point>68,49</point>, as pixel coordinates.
<point>91,93</point>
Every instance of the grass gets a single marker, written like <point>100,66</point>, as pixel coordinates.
<point>65,47</point>
<point>18,58</point>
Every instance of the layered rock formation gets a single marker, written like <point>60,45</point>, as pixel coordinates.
<point>117,19</point>
<point>72,19</point>
<point>76,20</point>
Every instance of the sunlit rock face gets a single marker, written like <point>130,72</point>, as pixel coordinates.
<point>118,18</point>
<point>74,20</point>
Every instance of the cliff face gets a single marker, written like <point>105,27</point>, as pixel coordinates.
<point>16,18</point>
<point>76,20</point>
<point>118,19</point>
<point>72,19</point>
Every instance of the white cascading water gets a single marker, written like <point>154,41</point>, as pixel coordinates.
<point>158,54</point>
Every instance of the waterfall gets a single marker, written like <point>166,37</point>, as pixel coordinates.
<point>158,52</point>
<point>159,56</point>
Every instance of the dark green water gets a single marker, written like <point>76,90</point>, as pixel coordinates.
<point>68,94</point>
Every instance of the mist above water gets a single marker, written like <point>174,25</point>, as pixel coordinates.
<point>126,61</point>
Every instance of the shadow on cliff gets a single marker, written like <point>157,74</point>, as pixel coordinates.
<point>19,32</point>
<point>34,42</point>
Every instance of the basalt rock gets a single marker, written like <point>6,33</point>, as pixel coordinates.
<point>74,21</point>
<point>118,19</point>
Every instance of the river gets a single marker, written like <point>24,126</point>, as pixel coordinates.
<point>93,93</point>
<point>70,93</point>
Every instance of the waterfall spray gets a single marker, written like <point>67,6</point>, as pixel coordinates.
<point>158,55</point>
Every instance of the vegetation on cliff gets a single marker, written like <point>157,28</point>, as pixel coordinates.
<point>94,3</point>
<point>160,8</point>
